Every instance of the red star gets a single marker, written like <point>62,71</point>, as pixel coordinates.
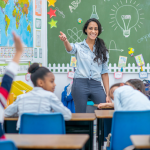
<point>52,13</point>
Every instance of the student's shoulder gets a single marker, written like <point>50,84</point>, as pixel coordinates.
<point>124,89</point>
<point>50,94</point>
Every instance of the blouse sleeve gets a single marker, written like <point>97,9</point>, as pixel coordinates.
<point>74,48</point>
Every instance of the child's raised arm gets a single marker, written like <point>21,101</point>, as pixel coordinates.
<point>8,77</point>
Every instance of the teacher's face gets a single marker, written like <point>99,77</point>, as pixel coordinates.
<point>92,30</point>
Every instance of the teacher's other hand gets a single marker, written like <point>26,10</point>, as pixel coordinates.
<point>108,100</point>
<point>62,36</point>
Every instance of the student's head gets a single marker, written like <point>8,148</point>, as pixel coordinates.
<point>42,77</point>
<point>136,84</point>
<point>92,28</point>
<point>113,88</point>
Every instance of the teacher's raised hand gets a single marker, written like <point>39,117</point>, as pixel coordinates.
<point>62,36</point>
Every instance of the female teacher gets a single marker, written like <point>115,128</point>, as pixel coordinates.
<point>92,67</point>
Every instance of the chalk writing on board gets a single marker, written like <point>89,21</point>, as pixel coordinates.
<point>74,5</point>
<point>60,12</point>
<point>120,17</point>
<point>74,35</point>
<point>94,13</point>
<point>144,37</point>
<point>113,47</point>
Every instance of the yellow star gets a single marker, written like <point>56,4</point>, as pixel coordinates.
<point>53,23</point>
<point>51,3</point>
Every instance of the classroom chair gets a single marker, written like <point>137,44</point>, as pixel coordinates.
<point>32,123</point>
<point>126,123</point>
<point>7,145</point>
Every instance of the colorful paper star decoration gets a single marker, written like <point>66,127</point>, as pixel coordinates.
<point>51,3</point>
<point>52,13</point>
<point>53,23</point>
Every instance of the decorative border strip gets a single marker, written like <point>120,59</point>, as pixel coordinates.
<point>112,68</point>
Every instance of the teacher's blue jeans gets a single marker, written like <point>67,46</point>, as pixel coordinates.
<point>82,89</point>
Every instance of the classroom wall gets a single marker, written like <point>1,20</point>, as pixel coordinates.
<point>62,80</point>
<point>42,60</point>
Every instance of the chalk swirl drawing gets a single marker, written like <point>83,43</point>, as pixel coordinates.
<point>123,19</point>
<point>113,47</point>
<point>74,5</point>
<point>60,12</point>
<point>94,13</point>
<point>74,35</point>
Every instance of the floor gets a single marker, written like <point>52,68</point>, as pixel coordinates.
<point>91,109</point>
<point>95,144</point>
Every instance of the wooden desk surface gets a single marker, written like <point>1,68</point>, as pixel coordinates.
<point>15,119</point>
<point>83,117</point>
<point>68,141</point>
<point>75,117</point>
<point>104,113</point>
<point>96,105</point>
<point>141,141</point>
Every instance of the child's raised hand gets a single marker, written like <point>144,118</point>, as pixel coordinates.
<point>19,48</point>
<point>18,43</point>
<point>62,36</point>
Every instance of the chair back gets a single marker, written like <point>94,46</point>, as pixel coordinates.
<point>7,145</point>
<point>52,123</point>
<point>126,123</point>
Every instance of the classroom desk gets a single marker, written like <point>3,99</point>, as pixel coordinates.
<point>80,123</point>
<point>108,107</point>
<point>30,141</point>
<point>141,141</point>
<point>100,115</point>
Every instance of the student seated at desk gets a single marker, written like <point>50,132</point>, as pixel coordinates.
<point>127,98</point>
<point>41,99</point>
<point>10,73</point>
<point>135,83</point>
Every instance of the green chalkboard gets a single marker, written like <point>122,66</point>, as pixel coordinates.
<point>125,23</point>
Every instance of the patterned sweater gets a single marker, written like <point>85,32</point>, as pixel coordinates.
<point>8,77</point>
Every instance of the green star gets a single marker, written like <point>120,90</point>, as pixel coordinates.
<point>53,23</point>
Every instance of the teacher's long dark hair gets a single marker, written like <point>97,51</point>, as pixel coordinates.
<point>100,50</point>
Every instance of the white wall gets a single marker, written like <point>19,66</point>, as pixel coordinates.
<point>62,80</point>
<point>43,29</point>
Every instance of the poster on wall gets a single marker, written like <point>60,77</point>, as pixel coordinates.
<point>0,36</point>
<point>73,61</point>
<point>122,61</point>
<point>38,38</point>
<point>139,60</point>
<point>40,52</point>
<point>38,7</point>
<point>35,52</point>
<point>38,23</point>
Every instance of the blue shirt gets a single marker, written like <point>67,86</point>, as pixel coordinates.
<point>126,98</point>
<point>86,67</point>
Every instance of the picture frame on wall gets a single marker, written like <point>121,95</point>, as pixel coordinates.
<point>35,52</point>
<point>38,38</point>
<point>40,52</point>
<point>38,23</point>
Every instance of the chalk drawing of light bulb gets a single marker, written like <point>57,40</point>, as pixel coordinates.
<point>126,16</point>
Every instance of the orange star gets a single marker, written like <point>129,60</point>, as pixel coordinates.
<point>51,3</point>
